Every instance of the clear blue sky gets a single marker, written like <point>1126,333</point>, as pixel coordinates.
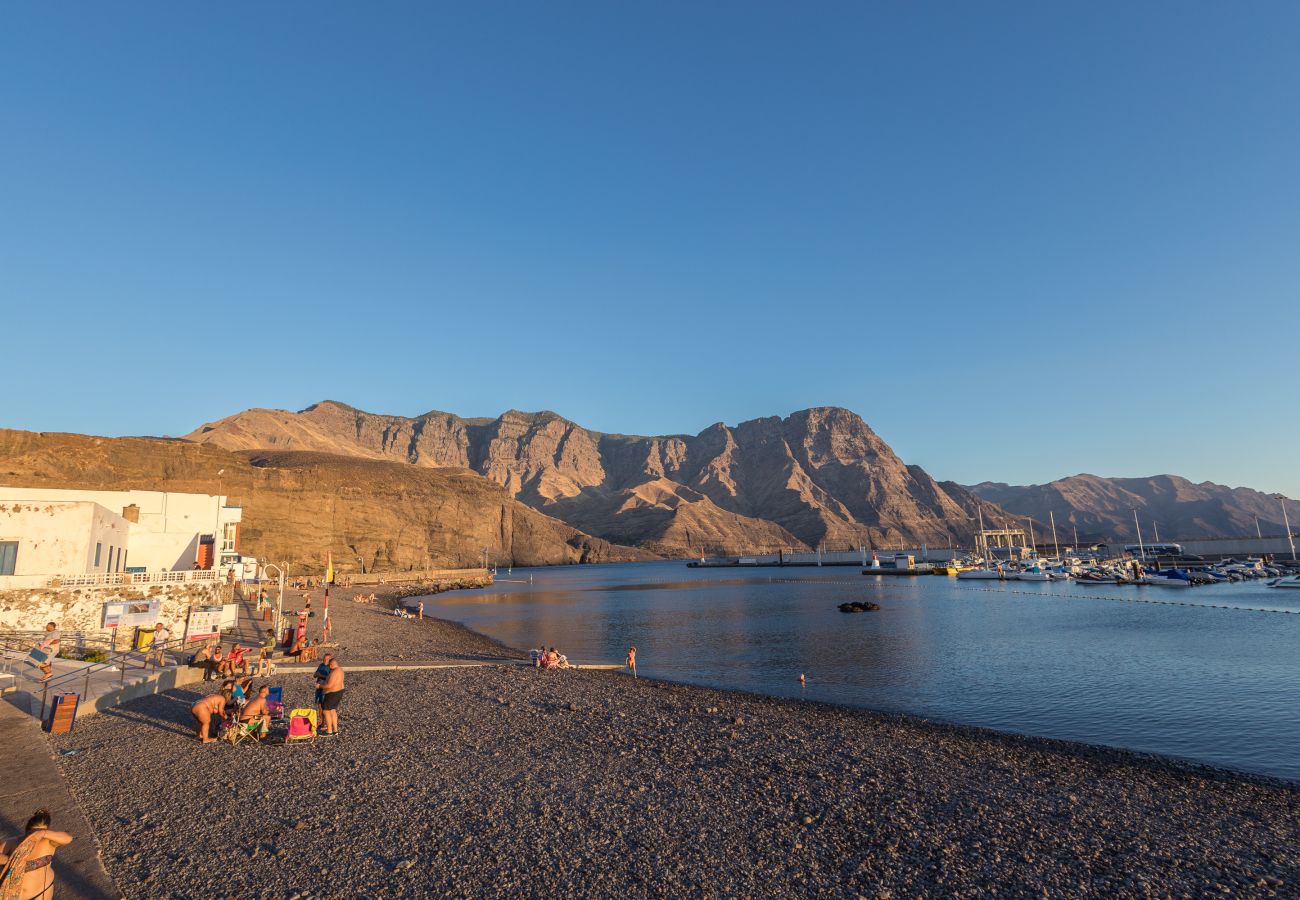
<point>998,231</point>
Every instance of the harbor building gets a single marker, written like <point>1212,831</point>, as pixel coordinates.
<point>57,532</point>
<point>61,537</point>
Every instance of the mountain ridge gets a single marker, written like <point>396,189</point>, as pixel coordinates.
<point>817,476</point>
<point>1102,507</point>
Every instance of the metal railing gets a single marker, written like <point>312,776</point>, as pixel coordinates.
<point>121,661</point>
<point>15,645</point>
<point>127,578</point>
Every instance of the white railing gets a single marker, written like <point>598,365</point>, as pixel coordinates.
<point>128,578</point>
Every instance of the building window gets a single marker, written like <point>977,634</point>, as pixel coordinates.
<point>228,537</point>
<point>8,557</point>
<point>99,548</point>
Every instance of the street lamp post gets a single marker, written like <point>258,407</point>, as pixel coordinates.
<point>279,603</point>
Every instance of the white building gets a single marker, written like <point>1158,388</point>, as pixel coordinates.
<point>166,531</point>
<point>61,537</point>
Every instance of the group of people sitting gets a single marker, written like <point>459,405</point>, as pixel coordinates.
<point>236,702</point>
<point>219,663</point>
<point>364,598</point>
<point>304,648</point>
<point>239,705</point>
<point>548,658</point>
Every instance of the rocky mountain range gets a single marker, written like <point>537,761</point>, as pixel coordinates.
<point>1102,508</point>
<point>817,477</point>
<point>372,514</point>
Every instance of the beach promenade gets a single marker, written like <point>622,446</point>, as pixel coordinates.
<point>491,778</point>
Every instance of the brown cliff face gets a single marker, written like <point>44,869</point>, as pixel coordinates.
<point>380,514</point>
<point>820,476</point>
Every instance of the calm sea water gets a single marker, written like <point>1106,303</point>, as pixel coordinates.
<point>1183,678</point>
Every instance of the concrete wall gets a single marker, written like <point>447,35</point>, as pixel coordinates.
<point>165,537</point>
<point>60,538</point>
<point>79,609</point>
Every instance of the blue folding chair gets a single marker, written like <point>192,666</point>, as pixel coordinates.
<point>275,703</point>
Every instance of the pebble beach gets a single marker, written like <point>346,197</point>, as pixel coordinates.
<point>492,778</point>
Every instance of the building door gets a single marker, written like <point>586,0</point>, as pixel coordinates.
<point>8,557</point>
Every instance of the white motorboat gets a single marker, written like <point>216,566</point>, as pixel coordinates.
<point>973,574</point>
<point>1287,581</point>
<point>1033,573</point>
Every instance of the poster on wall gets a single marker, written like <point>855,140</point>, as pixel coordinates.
<point>130,613</point>
<point>229,615</point>
<point>204,622</point>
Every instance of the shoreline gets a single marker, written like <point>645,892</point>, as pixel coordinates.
<point>1192,766</point>
<point>500,779</point>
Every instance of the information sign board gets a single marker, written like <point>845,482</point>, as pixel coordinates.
<point>129,613</point>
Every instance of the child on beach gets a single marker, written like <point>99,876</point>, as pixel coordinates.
<point>631,660</point>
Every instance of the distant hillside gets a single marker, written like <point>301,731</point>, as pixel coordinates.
<point>1102,508</point>
<point>297,505</point>
<point>817,476</point>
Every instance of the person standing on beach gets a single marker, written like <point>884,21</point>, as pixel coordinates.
<point>631,660</point>
<point>332,695</point>
<point>204,710</point>
<point>28,861</point>
<point>322,675</point>
<point>420,610</point>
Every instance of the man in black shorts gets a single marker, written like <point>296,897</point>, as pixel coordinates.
<point>333,693</point>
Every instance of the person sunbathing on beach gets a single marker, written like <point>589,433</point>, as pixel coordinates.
<point>204,710</point>
<point>256,710</point>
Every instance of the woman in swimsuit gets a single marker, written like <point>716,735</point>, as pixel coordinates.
<point>27,861</point>
<point>204,710</point>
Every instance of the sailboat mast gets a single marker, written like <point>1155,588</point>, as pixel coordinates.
<point>1056,548</point>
